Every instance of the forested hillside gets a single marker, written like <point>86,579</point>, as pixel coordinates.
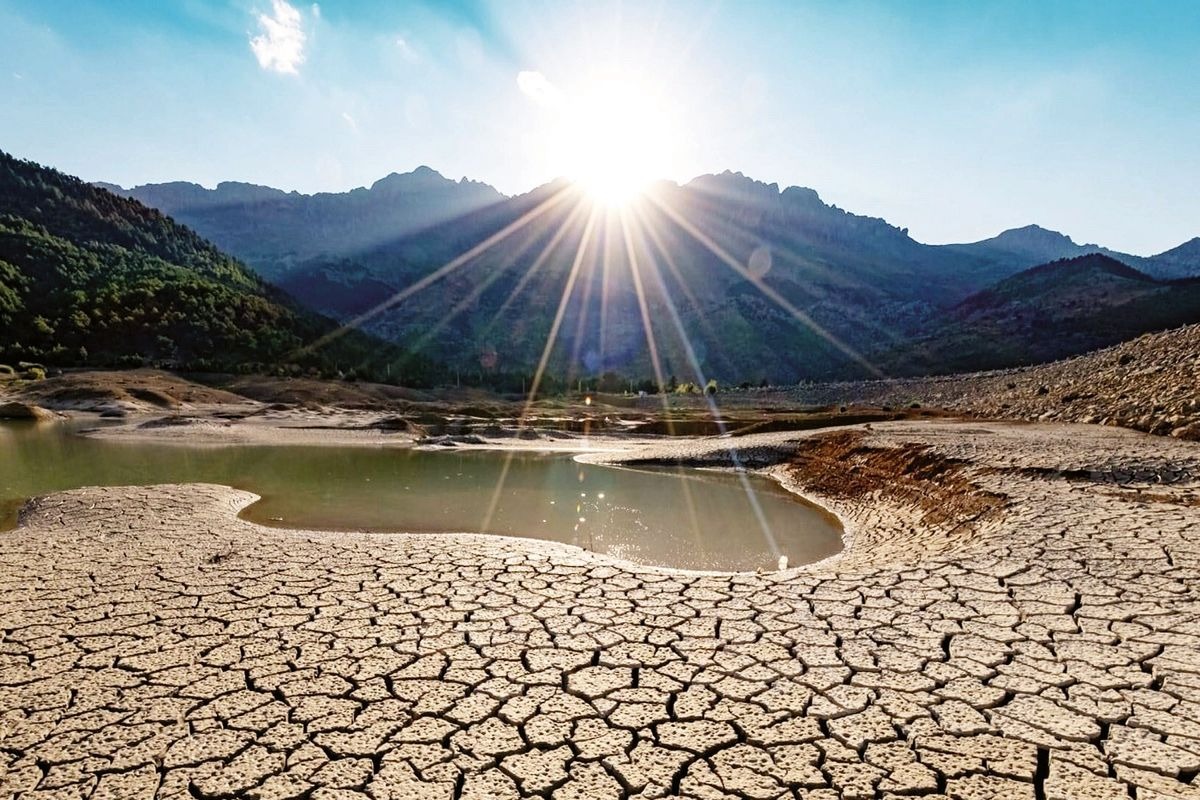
<point>90,278</point>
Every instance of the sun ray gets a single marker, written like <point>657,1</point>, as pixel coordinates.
<point>605,288</point>
<point>545,358</point>
<point>547,251</point>
<point>767,291</point>
<point>656,364</point>
<point>441,271</point>
<point>581,324</point>
<point>715,412</point>
<point>494,502</point>
<point>664,252</point>
<point>491,279</point>
<point>584,240</point>
<point>636,273</point>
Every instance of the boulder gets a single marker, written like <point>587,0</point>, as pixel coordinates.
<point>18,410</point>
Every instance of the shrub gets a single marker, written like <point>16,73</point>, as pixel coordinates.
<point>133,360</point>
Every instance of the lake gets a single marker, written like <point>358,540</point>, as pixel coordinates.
<point>673,517</point>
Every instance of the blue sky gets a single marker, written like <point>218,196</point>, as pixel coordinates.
<point>953,119</point>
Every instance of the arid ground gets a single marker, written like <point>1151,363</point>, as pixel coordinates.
<point>1016,614</point>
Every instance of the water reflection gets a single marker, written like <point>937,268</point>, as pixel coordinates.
<point>688,519</point>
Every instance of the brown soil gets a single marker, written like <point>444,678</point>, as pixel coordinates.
<point>840,465</point>
<point>133,387</point>
<point>1188,500</point>
<point>311,392</point>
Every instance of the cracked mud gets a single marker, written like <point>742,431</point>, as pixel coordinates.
<point>1040,641</point>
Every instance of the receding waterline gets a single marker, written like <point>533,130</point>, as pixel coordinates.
<point>686,519</point>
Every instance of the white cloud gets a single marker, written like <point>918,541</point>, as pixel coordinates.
<point>316,10</point>
<point>407,52</point>
<point>537,86</point>
<point>280,44</point>
<point>351,121</point>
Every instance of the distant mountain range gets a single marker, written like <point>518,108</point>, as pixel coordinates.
<point>738,277</point>
<point>272,230</point>
<point>89,278</point>
<point>275,231</point>
<point>1022,247</point>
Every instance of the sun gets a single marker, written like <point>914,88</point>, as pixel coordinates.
<point>614,140</point>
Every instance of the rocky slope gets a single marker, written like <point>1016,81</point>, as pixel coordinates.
<point>1150,384</point>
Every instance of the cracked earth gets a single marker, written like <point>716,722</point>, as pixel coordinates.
<point>1042,644</point>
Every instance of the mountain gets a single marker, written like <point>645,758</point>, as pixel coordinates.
<point>839,295</point>
<point>87,277</point>
<point>738,277</point>
<point>272,230</point>
<point>1049,312</point>
<point>1029,245</point>
<point>1179,262</point>
<point>858,279</point>
<point>1020,248</point>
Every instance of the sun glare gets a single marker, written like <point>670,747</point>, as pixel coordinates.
<point>614,141</point>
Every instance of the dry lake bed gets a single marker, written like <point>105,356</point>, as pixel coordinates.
<point>1016,613</point>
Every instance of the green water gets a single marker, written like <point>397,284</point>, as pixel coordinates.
<point>678,518</point>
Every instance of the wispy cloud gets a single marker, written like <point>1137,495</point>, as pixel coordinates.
<point>279,46</point>
<point>407,51</point>
<point>351,121</point>
<point>537,86</point>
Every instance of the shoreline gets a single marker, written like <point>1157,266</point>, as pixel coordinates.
<point>611,451</point>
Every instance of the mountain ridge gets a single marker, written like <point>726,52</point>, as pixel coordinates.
<point>1008,251</point>
<point>272,230</point>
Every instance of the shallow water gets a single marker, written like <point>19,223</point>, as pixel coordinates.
<point>665,517</point>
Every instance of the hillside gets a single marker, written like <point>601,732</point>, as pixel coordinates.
<point>272,230</point>
<point>1148,384</point>
<point>1050,312</point>
<point>87,277</point>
